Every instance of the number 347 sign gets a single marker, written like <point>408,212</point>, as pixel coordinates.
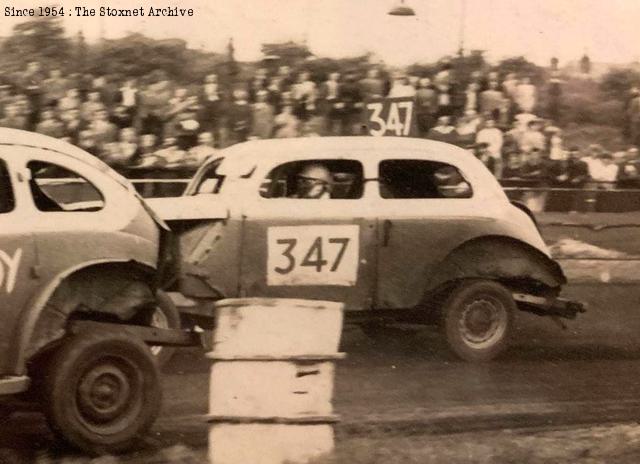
<point>313,255</point>
<point>390,116</point>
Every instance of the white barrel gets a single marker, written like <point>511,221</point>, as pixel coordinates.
<point>271,389</point>
<point>271,385</point>
<point>265,327</point>
<point>268,443</point>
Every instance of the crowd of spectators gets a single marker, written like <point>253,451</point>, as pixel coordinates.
<point>139,125</point>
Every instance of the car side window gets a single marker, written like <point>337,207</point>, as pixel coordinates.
<point>57,189</point>
<point>335,179</point>
<point>7,198</point>
<point>422,179</point>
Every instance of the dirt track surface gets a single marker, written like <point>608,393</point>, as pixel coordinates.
<point>554,391</point>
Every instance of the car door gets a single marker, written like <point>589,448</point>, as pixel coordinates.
<point>426,209</point>
<point>17,257</point>
<point>316,248</point>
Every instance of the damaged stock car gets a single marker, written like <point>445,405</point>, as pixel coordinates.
<point>81,259</point>
<point>399,229</point>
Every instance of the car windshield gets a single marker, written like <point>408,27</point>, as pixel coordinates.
<point>209,180</point>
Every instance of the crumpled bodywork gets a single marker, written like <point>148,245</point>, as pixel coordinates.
<point>110,291</point>
<point>505,259</point>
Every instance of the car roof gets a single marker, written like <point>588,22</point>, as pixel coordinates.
<point>245,156</point>
<point>17,137</point>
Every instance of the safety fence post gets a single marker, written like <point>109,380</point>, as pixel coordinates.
<point>271,385</point>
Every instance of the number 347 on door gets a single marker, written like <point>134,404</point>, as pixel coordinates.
<point>313,255</point>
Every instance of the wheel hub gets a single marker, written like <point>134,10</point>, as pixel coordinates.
<point>480,321</point>
<point>103,393</point>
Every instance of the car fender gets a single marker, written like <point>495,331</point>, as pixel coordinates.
<point>515,262</point>
<point>45,321</point>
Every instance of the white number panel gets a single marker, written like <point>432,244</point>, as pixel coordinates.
<point>313,255</point>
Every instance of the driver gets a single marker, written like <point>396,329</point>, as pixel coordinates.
<point>315,181</point>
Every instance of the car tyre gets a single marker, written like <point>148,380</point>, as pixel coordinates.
<point>164,316</point>
<point>101,391</point>
<point>477,320</point>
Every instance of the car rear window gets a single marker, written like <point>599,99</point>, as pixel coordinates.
<point>411,178</point>
<point>7,199</point>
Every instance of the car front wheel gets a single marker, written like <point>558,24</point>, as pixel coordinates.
<point>101,391</point>
<point>477,320</point>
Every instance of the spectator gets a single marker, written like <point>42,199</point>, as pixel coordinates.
<point>55,88</point>
<point>510,86</point>
<point>262,117</point>
<point>471,97</point>
<point>443,131</point>
<point>203,150</point>
<point>482,153</point>
<point>148,150</point>
<point>533,138</point>
<point>129,97</point>
<point>512,165</point>
<point>50,125</point>
<point>604,171</point>
<point>87,142</point>
<point>103,131</point>
<point>211,104</point>
<point>31,83</point>
<point>121,118</point>
<point>494,139</point>
<point>13,119</point>
<point>286,123</point>
<point>170,155</point>
<point>555,96</point>
<point>125,152</point>
<point>70,101</point>
<point>629,170</point>
<point>401,87</point>
<point>633,116</point>
<point>569,171</point>
<point>239,117</point>
<point>534,169</point>
<point>427,105</point>
<point>72,124</point>
<point>372,86</point>
<point>5,98</point>
<point>526,95</point>
<point>445,102</point>
<point>556,149</point>
<point>91,106</point>
<point>350,97</point>
<point>304,96</point>
<point>330,105</point>
<point>491,101</point>
<point>467,128</point>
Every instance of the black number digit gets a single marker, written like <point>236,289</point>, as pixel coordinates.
<point>344,242</point>
<point>291,243</point>
<point>316,249</point>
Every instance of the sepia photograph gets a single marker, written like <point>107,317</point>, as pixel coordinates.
<point>319,232</point>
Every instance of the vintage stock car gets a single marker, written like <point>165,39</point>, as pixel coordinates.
<point>400,229</point>
<point>81,258</point>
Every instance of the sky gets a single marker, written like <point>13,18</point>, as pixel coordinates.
<point>609,30</point>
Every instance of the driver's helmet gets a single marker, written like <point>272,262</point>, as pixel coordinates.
<point>314,181</point>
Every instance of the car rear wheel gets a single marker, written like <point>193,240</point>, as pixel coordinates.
<point>477,320</point>
<point>101,391</point>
